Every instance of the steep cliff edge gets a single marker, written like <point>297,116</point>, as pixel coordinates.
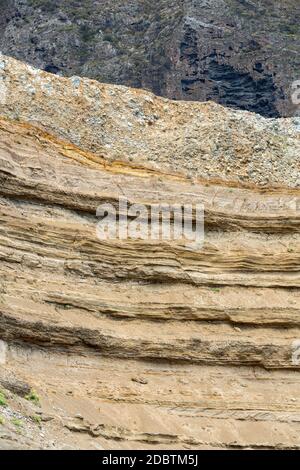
<point>135,343</point>
<point>239,53</point>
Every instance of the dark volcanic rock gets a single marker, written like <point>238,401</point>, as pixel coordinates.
<point>239,53</point>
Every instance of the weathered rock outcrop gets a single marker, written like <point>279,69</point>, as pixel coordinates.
<point>146,344</point>
<point>132,127</point>
<point>239,53</point>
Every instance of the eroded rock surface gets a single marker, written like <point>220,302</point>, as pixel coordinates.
<point>240,53</point>
<point>118,124</point>
<point>145,344</point>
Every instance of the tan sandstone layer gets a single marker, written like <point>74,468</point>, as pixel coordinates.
<point>145,344</point>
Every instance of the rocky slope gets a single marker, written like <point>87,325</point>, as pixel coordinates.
<point>238,53</point>
<point>145,344</point>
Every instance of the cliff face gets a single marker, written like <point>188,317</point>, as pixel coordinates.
<point>199,140</point>
<point>144,344</point>
<point>239,53</point>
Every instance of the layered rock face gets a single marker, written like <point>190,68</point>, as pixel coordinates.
<point>242,54</point>
<point>145,343</point>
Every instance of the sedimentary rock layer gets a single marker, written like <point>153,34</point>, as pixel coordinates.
<point>144,343</point>
<point>242,54</point>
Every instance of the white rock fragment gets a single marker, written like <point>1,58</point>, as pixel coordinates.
<point>3,352</point>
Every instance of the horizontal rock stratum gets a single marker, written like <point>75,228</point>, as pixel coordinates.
<point>135,343</point>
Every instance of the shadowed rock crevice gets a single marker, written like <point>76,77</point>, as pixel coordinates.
<point>239,90</point>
